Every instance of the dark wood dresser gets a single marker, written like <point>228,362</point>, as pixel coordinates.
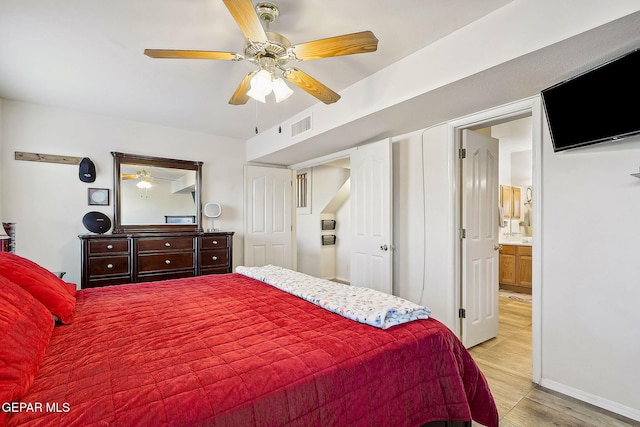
<point>113,259</point>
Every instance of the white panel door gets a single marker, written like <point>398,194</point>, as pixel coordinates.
<point>268,210</point>
<point>480,246</point>
<point>371,216</point>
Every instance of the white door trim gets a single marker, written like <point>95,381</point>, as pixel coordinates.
<point>533,107</point>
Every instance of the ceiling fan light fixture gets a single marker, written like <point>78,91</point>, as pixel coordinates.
<point>281,90</point>
<point>261,86</point>
<point>257,96</point>
<point>144,184</point>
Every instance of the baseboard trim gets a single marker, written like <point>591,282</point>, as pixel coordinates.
<point>592,399</point>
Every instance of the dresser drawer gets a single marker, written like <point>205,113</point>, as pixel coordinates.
<point>165,261</point>
<point>215,242</point>
<point>164,275</point>
<point>108,281</point>
<point>113,265</point>
<point>100,247</point>
<point>164,244</point>
<point>214,258</point>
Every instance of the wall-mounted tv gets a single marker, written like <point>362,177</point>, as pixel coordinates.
<point>596,106</point>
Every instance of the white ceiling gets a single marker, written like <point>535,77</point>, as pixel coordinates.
<point>88,55</point>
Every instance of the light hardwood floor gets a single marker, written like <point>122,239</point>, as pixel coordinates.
<point>506,363</point>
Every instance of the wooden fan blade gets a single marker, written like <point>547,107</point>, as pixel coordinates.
<point>240,96</point>
<point>247,19</point>
<point>311,85</point>
<point>129,176</point>
<point>347,44</point>
<point>190,54</point>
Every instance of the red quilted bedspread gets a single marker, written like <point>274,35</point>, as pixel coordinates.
<point>227,350</point>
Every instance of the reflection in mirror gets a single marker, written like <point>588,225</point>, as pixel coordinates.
<point>156,194</point>
<point>149,194</point>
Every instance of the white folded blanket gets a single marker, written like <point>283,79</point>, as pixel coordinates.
<point>363,305</point>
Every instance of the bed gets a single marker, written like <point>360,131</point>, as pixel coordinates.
<point>220,350</point>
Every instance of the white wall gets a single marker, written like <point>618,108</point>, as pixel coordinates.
<point>47,201</point>
<point>325,182</point>
<point>591,273</point>
<point>521,168</point>
<point>516,160</point>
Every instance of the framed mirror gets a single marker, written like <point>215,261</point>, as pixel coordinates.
<point>154,194</point>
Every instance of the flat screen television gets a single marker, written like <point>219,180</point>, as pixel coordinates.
<point>599,105</point>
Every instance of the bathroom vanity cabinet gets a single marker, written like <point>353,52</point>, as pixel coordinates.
<point>515,268</point>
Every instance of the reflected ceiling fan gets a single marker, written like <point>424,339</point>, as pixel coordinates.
<point>272,51</point>
<point>146,180</point>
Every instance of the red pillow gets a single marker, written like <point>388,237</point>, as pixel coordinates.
<point>46,287</point>
<point>26,327</point>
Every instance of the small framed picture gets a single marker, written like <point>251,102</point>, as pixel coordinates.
<point>98,196</point>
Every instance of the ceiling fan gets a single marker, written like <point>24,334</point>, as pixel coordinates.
<point>272,51</point>
<point>146,180</point>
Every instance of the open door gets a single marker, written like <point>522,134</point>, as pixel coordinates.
<point>479,237</point>
<point>371,217</point>
<point>268,228</point>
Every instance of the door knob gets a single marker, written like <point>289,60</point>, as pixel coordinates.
<point>497,247</point>
<point>384,248</point>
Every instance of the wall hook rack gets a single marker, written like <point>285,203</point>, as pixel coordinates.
<point>48,158</point>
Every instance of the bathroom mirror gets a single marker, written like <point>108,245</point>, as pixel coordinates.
<point>155,194</point>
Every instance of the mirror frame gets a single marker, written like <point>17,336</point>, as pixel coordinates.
<point>124,158</point>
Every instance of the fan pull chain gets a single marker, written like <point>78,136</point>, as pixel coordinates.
<point>280,120</point>
<point>255,103</point>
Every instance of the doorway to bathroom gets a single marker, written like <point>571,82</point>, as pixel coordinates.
<point>515,206</point>
<point>478,278</point>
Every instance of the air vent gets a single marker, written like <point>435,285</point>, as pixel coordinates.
<point>301,126</point>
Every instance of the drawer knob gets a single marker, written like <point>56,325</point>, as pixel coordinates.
<point>167,244</point>
<point>109,266</point>
<point>167,261</point>
<point>215,242</point>
<point>109,246</point>
<point>214,258</point>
